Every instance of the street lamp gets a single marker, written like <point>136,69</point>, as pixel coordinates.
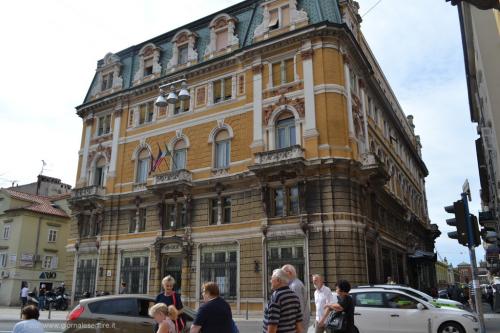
<point>172,97</point>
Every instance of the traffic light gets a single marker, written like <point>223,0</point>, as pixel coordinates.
<point>488,231</point>
<point>459,222</point>
<point>476,235</point>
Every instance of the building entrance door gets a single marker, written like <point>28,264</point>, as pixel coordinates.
<point>172,265</point>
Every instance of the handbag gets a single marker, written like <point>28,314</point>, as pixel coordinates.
<point>336,321</point>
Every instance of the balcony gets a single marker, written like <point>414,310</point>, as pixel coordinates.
<point>181,176</point>
<point>290,158</point>
<point>88,192</point>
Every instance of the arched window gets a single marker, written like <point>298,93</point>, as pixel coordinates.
<point>285,131</point>
<point>179,155</point>
<point>222,149</point>
<point>99,171</point>
<point>143,167</point>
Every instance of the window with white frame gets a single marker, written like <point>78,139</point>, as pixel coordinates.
<point>279,17</point>
<point>107,81</point>
<point>52,235</point>
<point>6,231</point>
<point>285,133</point>
<point>146,113</point>
<point>143,166</point>
<point>222,205</point>
<point>99,172</point>
<point>222,89</point>
<point>222,150</point>
<point>179,155</point>
<point>3,259</point>
<point>49,262</point>
<point>220,264</point>
<point>104,125</point>
<point>283,72</point>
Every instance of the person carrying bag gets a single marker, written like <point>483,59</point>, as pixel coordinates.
<point>341,314</point>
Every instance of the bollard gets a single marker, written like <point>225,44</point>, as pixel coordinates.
<point>50,309</point>
<point>246,316</point>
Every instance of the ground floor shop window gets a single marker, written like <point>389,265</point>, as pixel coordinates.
<point>284,252</point>
<point>85,277</point>
<point>220,264</point>
<point>134,272</point>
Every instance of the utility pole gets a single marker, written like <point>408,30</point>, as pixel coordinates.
<point>471,243</point>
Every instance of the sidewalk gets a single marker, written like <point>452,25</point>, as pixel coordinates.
<point>14,313</point>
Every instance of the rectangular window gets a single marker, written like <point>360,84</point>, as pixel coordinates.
<point>283,72</point>
<point>85,277</point>
<point>274,20</point>
<point>179,159</point>
<point>6,231</point>
<point>221,39</point>
<point>142,220</point>
<point>104,125</point>
<point>181,106</point>
<point>214,211</point>
<point>146,113</point>
<point>99,176</point>
<point>226,210</point>
<point>183,55</point>
<point>221,266</point>
<point>176,215</point>
<point>291,252</point>
<point>278,202</point>
<point>223,90</point>
<point>3,259</point>
<point>52,236</point>
<point>285,133</point>
<point>134,272</point>
<point>132,221</point>
<point>107,81</point>
<point>293,200</point>
<point>148,67</point>
<point>222,151</point>
<point>171,216</point>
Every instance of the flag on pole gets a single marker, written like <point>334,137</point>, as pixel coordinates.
<point>161,156</point>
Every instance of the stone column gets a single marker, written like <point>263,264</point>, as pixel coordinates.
<point>88,134</point>
<point>258,142</point>
<point>309,98</point>
<point>347,82</point>
<point>114,144</point>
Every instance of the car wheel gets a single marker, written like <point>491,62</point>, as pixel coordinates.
<point>451,327</point>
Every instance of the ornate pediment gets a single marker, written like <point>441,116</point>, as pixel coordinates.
<point>283,102</point>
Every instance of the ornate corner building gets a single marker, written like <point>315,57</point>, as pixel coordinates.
<point>291,149</point>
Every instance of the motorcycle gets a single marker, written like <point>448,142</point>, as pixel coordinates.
<point>56,301</point>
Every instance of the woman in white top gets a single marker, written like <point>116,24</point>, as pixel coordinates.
<point>165,316</point>
<point>30,323</point>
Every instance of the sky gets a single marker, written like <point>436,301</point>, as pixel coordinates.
<point>50,50</point>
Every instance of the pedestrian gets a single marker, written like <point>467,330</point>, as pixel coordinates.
<point>215,315</point>
<point>344,304</point>
<point>489,296</point>
<point>298,287</point>
<point>24,294</point>
<point>165,316</point>
<point>170,297</point>
<point>41,297</point>
<point>322,296</point>
<point>29,323</point>
<point>123,288</point>
<point>282,313</point>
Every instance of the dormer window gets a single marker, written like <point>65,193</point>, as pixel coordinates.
<point>148,67</point>
<point>222,35</point>
<point>183,50</point>
<point>149,64</point>
<point>107,81</point>
<point>183,55</point>
<point>280,14</point>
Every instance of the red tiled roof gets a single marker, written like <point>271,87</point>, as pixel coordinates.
<point>40,204</point>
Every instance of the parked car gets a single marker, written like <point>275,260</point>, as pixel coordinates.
<point>421,295</point>
<point>382,310</point>
<point>117,313</point>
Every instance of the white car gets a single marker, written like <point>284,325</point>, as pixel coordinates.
<point>443,302</point>
<point>382,310</point>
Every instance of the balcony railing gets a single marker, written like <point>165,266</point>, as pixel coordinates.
<point>279,155</point>
<point>88,191</point>
<point>181,175</point>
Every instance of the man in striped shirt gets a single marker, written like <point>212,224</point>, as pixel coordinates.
<point>282,313</point>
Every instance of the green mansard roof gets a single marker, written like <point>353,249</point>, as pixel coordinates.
<point>249,15</point>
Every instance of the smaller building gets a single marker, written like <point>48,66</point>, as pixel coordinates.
<point>465,272</point>
<point>33,235</point>
<point>443,275</point>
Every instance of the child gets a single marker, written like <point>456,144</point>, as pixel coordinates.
<point>165,316</point>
